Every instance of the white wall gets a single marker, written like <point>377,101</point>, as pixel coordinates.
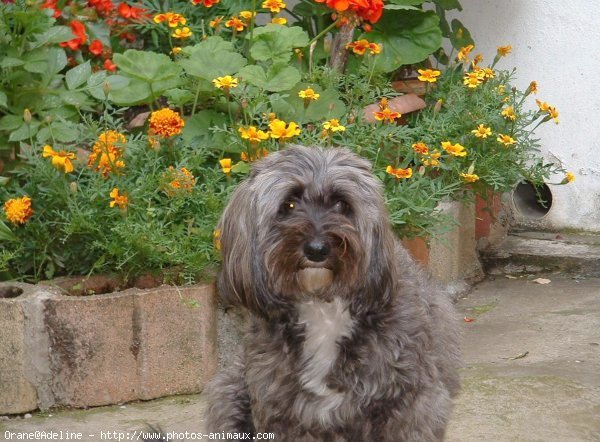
<point>556,43</point>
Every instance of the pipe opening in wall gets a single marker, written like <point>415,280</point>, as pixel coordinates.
<point>531,201</point>
<point>9,291</point>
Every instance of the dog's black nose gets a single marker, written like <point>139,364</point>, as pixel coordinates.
<point>316,250</point>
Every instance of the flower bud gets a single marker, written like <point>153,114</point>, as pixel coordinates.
<point>106,88</point>
<point>27,116</point>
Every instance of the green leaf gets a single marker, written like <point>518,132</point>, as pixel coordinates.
<point>136,92</point>
<point>460,36</point>
<point>23,132</point>
<point>61,131</point>
<point>276,42</point>
<point>277,78</point>
<point>179,97</point>
<point>10,122</point>
<point>448,4</point>
<point>241,167</point>
<point>96,81</point>
<point>11,62</point>
<point>5,233</point>
<point>3,99</point>
<point>211,59</point>
<point>146,66</point>
<point>407,37</point>
<point>54,35</point>
<point>198,126</point>
<point>78,75</point>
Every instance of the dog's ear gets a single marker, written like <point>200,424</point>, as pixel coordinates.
<point>236,230</point>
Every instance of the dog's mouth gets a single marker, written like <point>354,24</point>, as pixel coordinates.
<point>315,278</point>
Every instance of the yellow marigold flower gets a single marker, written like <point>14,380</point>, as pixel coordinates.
<point>107,152</point>
<point>217,238</point>
<point>216,22</point>
<point>469,177</point>
<point>176,50</point>
<point>247,15</point>
<point>421,148</point>
<point>254,155</point>
<point>308,94</point>
<point>333,125</point>
<point>60,160</point>
<point>428,75</point>
<point>456,150</point>
<point>279,20</point>
<point>166,123</point>
<point>507,140</point>
<point>542,105</point>
<point>227,82</point>
<point>432,159</point>
<point>387,115</point>
<point>501,89</point>
<point>472,79</point>
<point>18,210</point>
<point>159,18</point>
<point>172,19</point>
<point>282,131</point>
<point>482,131</point>
<point>464,52</point>
<point>118,200</point>
<point>478,59</point>
<point>273,5</point>
<point>553,114</point>
<point>509,113</point>
<point>182,33</point>
<point>569,178</point>
<point>236,24</point>
<point>253,135</point>
<point>225,165</point>
<point>359,47</point>
<point>503,51</point>
<point>485,73</point>
<point>399,173</point>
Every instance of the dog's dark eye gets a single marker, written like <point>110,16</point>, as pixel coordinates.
<point>341,206</point>
<point>287,207</point>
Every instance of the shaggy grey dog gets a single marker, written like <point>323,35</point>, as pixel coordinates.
<point>349,340</point>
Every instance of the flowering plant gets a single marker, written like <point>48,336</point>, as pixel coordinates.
<point>221,91</point>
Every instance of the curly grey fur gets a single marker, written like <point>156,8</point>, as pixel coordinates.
<point>373,356</point>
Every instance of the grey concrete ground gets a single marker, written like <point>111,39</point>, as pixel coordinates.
<point>550,394</point>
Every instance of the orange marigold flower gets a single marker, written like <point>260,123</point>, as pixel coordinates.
<point>18,210</point>
<point>216,22</point>
<point>504,50</point>
<point>432,159</point>
<point>478,59</point>
<point>253,134</point>
<point>118,200</point>
<point>359,47</point>
<point>385,113</point>
<point>472,79</point>
<point>166,123</point>
<point>107,152</point>
<point>206,3</point>
<point>428,75</point>
<point>532,89</point>
<point>399,173</point>
<point>274,5</point>
<point>172,19</point>
<point>178,181</point>
<point>282,131</point>
<point>368,10</point>
<point>176,50</point>
<point>464,52</point>
<point>456,150</point>
<point>236,24</point>
<point>421,148</point>
<point>60,160</point>
<point>553,114</point>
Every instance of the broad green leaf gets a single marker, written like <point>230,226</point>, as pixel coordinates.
<point>24,132</point>
<point>78,75</point>
<point>209,60</point>
<point>460,36</point>
<point>3,99</point>
<point>10,122</point>
<point>197,127</point>
<point>96,81</point>
<point>62,131</point>
<point>214,44</point>
<point>54,35</point>
<point>310,10</point>
<point>146,66</point>
<point>136,92</point>
<point>178,96</point>
<point>276,79</point>
<point>11,62</point>
<point>448,4</point>
<point>276,42</point>
<point>241,167</point>
<point>407,37</point>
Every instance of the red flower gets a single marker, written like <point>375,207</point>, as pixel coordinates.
<point>52,4</point>
<point>109,65</point>
<point>104,7</point>
<point>369,10</point>
<point>96,47</point>
<point>79,32</point>
<point>130,12</point>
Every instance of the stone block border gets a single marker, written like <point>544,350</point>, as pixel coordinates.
<point>81,351</point>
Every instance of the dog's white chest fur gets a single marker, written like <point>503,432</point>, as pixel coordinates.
<point>325,324</point>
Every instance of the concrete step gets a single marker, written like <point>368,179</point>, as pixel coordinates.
<point>533,252</point>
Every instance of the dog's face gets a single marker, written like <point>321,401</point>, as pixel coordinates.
<point>308,223</point>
